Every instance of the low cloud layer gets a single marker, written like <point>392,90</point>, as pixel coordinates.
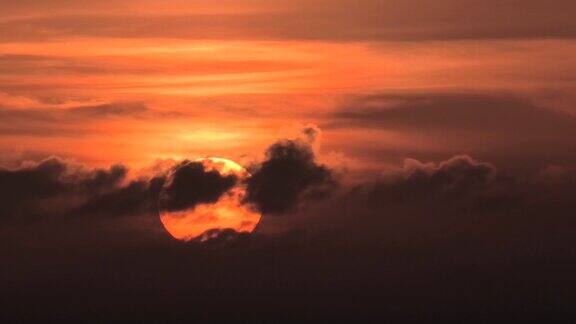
<point>58,188</point>
<point>414,238</point>
<point>41,189</point>
<point>458,177</point>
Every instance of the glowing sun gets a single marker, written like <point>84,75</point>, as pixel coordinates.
<point>227,213</point>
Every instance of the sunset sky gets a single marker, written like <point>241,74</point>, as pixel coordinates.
<point>134,81</point>
<point>340,109</point>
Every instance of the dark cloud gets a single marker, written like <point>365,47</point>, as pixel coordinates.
<point>499,127</point>
<point>138,196</point>
<point>106,178</point>
<point>454,240</point>
<point>74,113</point>
<point>17,64</point>
<point>439,20</point>
<point>60,190</point>
<point>451,111</point>
<point>131,26</point>
<point>20,65</point>
<point>190,183</point>
<point>488,243</point>
<point>311,132</point>
<point>289,175</point>
<point>63,121</point>
<point>30,191</point>
<point>342,20</point>
<point>447,181</point>
<point>17,187</point>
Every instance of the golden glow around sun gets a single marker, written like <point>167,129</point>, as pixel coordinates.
<point>227,213</point>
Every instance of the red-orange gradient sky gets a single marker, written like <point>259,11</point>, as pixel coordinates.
<point>270,161</point>
<point>135,81</point>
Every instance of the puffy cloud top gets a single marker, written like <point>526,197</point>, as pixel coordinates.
<point>289,175</point>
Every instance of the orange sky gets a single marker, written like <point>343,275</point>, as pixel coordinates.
<point>136,81</point>
<point>219,159</point>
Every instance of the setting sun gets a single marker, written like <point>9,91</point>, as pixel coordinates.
<point>229,212</point>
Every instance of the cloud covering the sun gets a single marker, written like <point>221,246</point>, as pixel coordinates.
<point>191,184</point>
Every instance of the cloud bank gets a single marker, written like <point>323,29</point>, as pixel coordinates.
<point>403,245</point>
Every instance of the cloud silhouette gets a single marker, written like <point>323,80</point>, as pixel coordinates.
<point>138,196</point>
<point>417,237</point>
<point>31,190</point>
<point>288,176</point>
<point>456,177</point>
<point>190,183</point>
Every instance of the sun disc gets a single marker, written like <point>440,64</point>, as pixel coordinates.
<point>227,213</point>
